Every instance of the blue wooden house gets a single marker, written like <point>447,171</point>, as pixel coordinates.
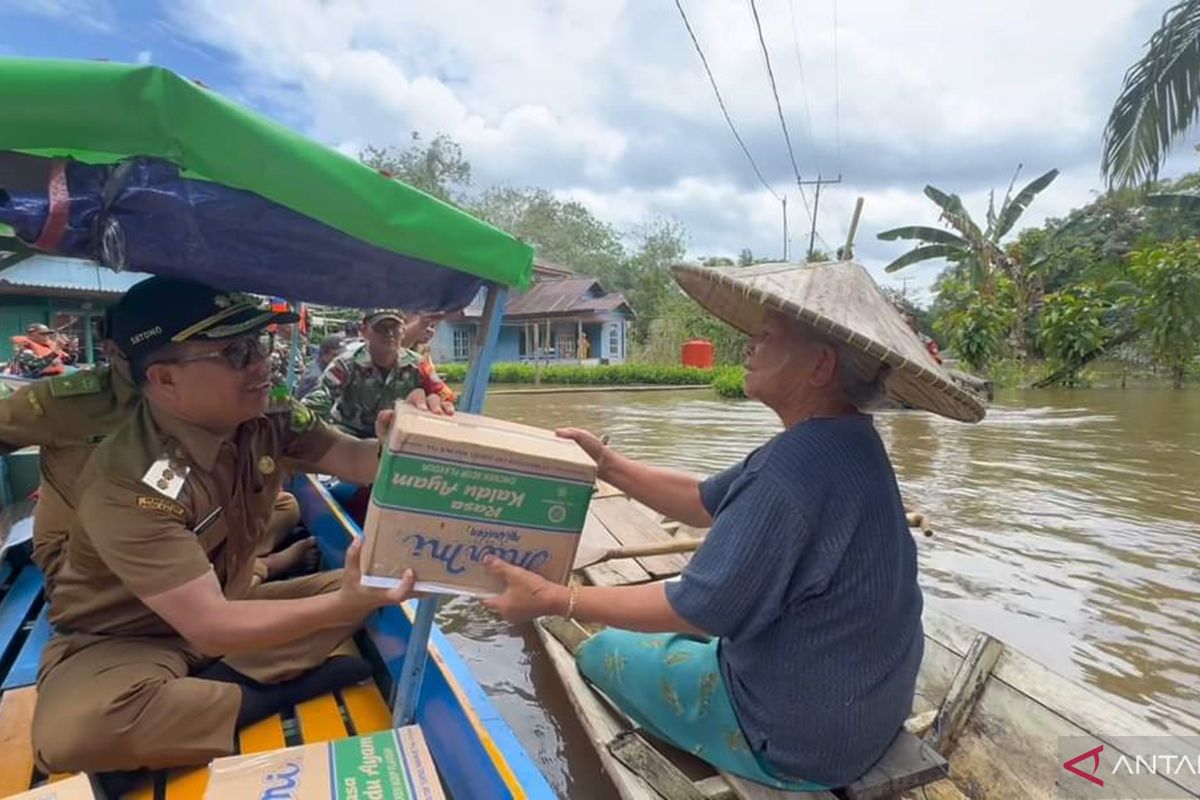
<point>67,294</point>
<point>563,318</point>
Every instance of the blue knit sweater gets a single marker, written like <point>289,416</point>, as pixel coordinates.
<point>809,578</point>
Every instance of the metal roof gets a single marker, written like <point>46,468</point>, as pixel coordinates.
<point>70,274</point>
<point>570,296</point>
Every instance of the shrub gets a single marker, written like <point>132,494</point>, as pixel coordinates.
<point>605,375</point>
<point>729,381</point>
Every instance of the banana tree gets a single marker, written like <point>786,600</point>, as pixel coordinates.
<point>978,254</point>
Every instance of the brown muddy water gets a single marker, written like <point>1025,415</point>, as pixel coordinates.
<point>1068,525</point>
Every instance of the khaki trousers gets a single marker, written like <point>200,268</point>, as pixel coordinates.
<point>123,702</point>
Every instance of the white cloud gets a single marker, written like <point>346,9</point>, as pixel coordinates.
<point>606,101</point>
<point>97,15</point>
<point>144,56</point>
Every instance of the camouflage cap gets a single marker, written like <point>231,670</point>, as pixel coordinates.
<point>377,315</point>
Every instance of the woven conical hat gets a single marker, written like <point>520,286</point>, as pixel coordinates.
<point>841,302</point>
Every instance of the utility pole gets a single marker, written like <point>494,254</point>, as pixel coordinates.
<point>848,250</point>
<point>904,279</point>
<point>819,182</point>
<point>785,254</point>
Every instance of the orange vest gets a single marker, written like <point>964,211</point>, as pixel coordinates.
<point>41,351</point>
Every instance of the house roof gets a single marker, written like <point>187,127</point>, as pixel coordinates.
<point>68,274</point>
<point>559,297</point>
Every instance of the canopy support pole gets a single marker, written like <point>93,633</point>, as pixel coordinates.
<point>417,653</point>
<point>293,352</point>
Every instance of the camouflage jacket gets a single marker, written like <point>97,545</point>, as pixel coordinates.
<point>279,359</point>
<point>353,390</point>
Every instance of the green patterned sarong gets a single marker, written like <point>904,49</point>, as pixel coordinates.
<point>671,685</point>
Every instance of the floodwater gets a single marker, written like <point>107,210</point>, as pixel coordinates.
<point>1068,525</point>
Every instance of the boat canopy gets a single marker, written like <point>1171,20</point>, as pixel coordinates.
<point>140,169</point>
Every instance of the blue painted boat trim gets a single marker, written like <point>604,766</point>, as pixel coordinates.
<point>17,604</point>
<point>24,670</point>
<point>463,761</point>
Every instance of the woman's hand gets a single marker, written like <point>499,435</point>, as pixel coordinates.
<point>591,444</point>
<point>527,595</point>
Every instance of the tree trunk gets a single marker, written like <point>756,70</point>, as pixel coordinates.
<point>1070,369</point>
<point>1178,376</point>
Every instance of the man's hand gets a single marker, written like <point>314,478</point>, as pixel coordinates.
<point>383,424</point>
<point>439,406</point>
<point>591,444</point>
<point>527,595</point>
<point>359,599</point>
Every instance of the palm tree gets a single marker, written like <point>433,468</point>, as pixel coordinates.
<point>978,250</point>
<point>1159,102</point>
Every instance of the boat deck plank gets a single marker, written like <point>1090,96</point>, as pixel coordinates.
<point>16,739</point>
<point>367,709</point>
<point>321,720</point>
<point>630,525</point>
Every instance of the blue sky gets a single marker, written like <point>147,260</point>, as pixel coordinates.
<point>605,101</point>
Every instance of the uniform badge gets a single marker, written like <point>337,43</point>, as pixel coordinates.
<point>36,405</point>
<point>161,505</point>
<point>166,477</point>
<point>74,384</point>
<point>266,465</point>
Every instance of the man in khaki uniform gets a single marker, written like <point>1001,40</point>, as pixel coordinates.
<point>67,416</point>
<point>163,645</point>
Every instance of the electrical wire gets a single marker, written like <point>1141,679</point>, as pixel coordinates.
<point>721,103</point>
<point>779,108</point>
<point>837,90</point>
<point>800,67</point>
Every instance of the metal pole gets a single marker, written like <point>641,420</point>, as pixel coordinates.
<point>785,239</point>
<point>293,352</point>
<point>417,654</point>
<point>812,236</point>
<point>848,250</point>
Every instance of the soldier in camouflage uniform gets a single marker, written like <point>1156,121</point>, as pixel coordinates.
<point>37,354</point>
<point>357,385</point>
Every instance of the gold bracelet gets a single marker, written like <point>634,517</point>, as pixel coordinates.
<point>572,599</point>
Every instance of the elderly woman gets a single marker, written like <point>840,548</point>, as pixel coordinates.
<point>807,580</point>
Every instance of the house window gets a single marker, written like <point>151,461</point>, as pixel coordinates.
<point>614,341</point>
<point>462,343</point>
<point>565,344</point>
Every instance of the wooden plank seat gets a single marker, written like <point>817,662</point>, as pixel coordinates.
<point>24,631</point>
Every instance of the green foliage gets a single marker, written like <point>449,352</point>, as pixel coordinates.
<point>730,381</point>
<point>1072,326</point>
<point>681,319</point>
<point>976,329</point>
<point>610,375</point>
<point>1159,102</point>
<point>437,168</point>
<point>1168,303</point>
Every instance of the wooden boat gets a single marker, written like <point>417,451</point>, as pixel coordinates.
<point>476,753</point>
<point>986,721</point>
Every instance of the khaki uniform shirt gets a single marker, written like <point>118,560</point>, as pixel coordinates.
<point>146,489</point>
<point>67,416</point>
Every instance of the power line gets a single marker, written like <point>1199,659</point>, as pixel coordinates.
<point>837,89</point>
<point>779,107</point>
<point>724,110</point>
<point>800,66</point>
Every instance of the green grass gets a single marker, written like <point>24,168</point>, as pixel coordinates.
<point>605,375</point>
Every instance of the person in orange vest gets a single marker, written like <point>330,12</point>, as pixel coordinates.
<point>418,333</point>
<point>36,354</point>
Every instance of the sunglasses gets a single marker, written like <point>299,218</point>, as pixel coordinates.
<point>239,354</point>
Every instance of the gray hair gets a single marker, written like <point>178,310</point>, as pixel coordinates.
<point>863,378</point>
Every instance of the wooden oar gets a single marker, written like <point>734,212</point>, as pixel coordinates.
<point>587,555</point>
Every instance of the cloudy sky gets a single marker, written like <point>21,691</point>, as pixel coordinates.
<point>606,101</point>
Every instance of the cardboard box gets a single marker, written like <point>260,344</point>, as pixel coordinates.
<point>390,765</point>
<point>77,787</point>
<point>451,490</point>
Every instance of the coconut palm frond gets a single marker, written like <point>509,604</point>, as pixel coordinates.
<point>1159,101</point>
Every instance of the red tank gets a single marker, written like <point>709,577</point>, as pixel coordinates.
<point>698,353</point>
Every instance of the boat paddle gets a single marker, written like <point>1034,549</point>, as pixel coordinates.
<point>587,555</point>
